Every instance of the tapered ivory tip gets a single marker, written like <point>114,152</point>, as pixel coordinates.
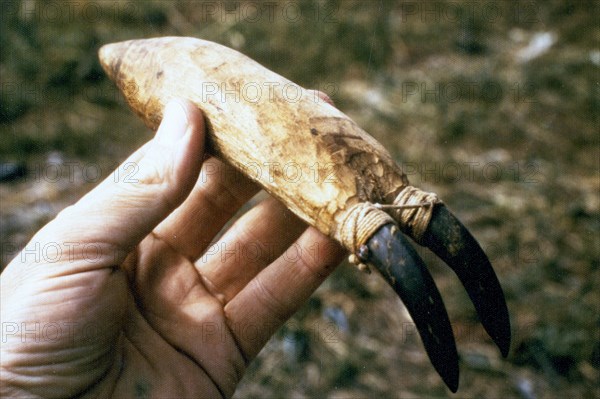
<point>111,56</point>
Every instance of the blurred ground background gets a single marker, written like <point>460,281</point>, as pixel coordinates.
<point>494,105</point>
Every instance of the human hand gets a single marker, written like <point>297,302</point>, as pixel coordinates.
<point>114,297</point>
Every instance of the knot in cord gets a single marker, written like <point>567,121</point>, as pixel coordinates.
<point>413,209</point>
<point>361,221</point>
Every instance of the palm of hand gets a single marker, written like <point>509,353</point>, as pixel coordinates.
<point>161,319</point>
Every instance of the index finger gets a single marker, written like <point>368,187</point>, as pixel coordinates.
<point>218,194</point>
<point>279,290</point>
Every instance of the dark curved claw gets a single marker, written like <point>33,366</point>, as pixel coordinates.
<point>452,242</point>
<point>404,270</point>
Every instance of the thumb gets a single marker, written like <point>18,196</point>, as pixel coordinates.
<point>114,217</point>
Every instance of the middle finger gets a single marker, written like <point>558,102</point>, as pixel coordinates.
<point>253,242</point>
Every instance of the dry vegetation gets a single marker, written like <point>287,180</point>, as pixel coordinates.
<point>494,105</point>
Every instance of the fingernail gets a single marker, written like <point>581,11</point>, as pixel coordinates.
<point>174,124</point>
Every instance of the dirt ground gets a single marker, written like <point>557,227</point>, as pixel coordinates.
<point>494,105</point>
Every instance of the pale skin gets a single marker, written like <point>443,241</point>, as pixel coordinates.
<point>136,302</point>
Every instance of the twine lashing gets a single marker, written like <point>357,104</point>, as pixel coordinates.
<point>412,209</point>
